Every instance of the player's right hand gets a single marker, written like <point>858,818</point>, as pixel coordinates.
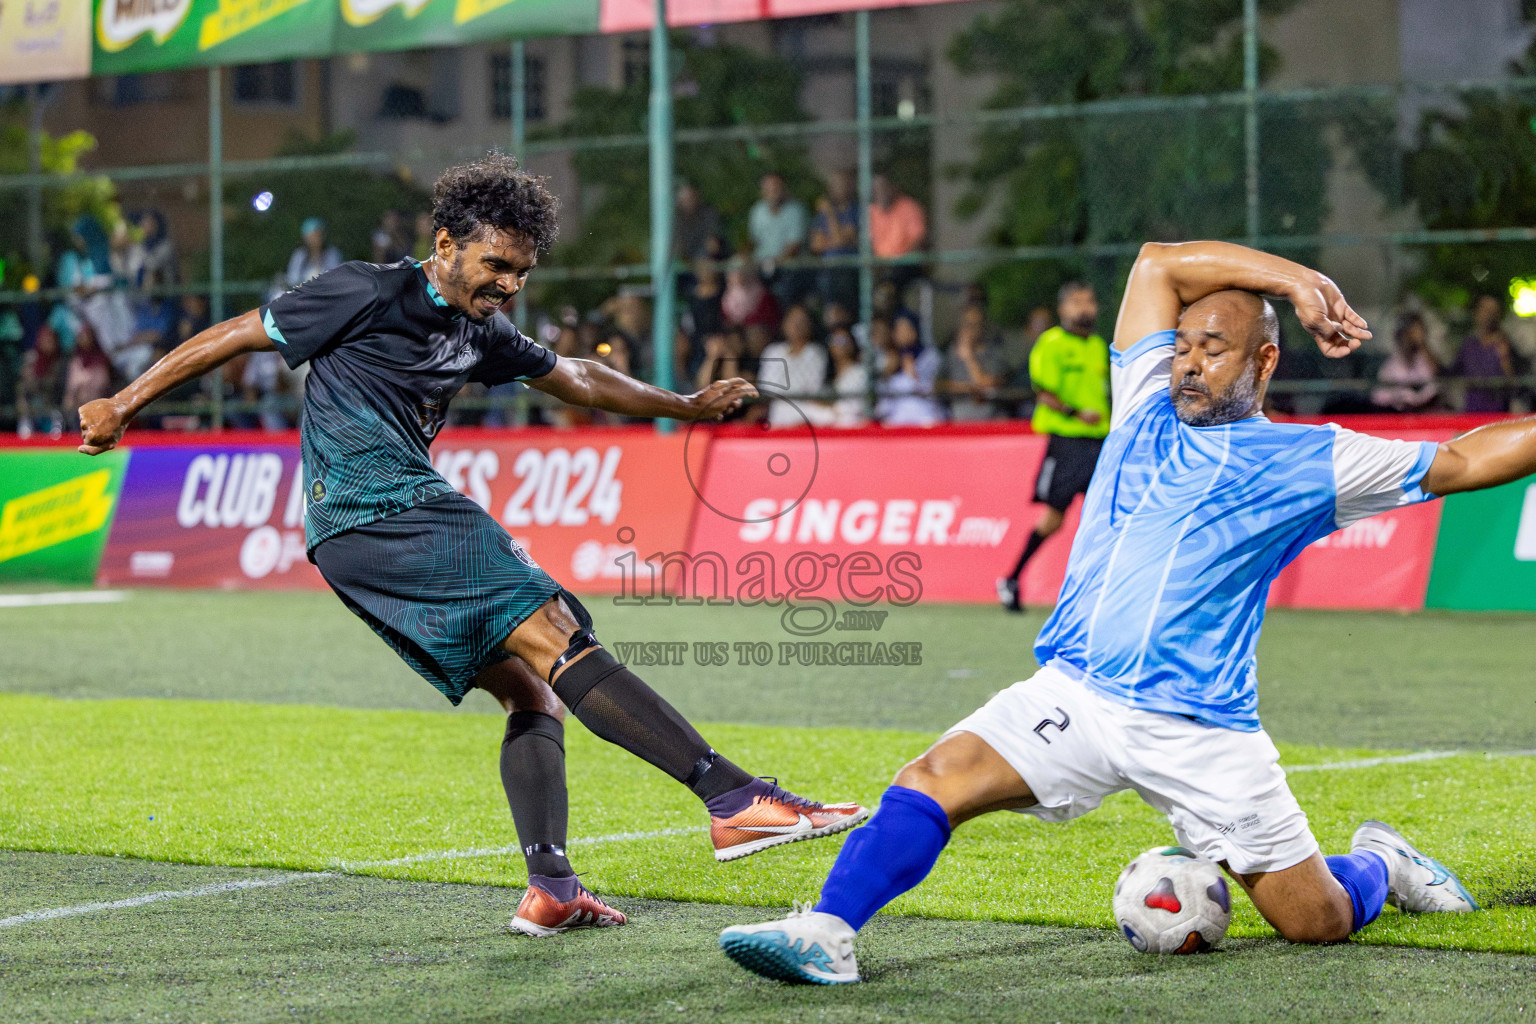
<point>102,423</point>
<point>1321,308</point>
<point>721,398</point>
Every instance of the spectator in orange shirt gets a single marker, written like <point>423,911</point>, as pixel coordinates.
<point>897,226</point>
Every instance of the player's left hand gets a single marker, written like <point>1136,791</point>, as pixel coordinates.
<point>1320,306</point>
<point>720,399</point>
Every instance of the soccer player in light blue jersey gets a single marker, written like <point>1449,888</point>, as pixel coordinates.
<point>1147,677</point>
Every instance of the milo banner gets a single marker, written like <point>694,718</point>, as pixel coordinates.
<point>55,507</point>
<point>410,24</point>
<point>155,35</point>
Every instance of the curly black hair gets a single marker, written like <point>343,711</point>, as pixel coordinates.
<point>493,192</point>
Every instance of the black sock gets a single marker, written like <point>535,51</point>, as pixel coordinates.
<point>616,704</point>
<point>533,774</point>
<point>1030,547</point>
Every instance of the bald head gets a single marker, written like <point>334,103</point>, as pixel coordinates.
<point>1242,316</point>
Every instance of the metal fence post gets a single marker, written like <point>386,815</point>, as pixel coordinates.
<point>866,188</point>
<point>519,98</point>
<point>216,223</point>
<point>664,319</point>
<point>1251,114</point>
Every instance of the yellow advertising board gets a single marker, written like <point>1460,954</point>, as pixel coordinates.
<point>44,40</point>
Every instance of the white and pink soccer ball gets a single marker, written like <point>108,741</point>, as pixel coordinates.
<point>1172,900</point>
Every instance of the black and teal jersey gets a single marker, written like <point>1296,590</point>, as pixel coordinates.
<point>386,356</point>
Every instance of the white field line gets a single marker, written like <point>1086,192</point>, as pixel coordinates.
<point>349,867</point>
<point>62,597</point>
<point>310,876</point>
<point>1422,755</point>
<point>156,897</point>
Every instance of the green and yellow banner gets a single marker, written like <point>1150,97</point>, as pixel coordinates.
<point>55,510</point>
<point>151,35</point>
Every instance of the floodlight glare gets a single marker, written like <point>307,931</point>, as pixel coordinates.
<point>1522,296</point>
<point>262,201</point>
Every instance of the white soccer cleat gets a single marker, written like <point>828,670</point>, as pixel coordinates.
<point>1415,883</point>
<point>806,947</point>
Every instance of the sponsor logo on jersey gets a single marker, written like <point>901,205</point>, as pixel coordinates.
<point>120,22</point>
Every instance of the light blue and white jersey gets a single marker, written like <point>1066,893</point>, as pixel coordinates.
<point>1185,528</point>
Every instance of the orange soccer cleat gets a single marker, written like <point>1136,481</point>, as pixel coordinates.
<point>542,914</point>
<point>761,815</point>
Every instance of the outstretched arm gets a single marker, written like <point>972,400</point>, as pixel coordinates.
<point>103,421</point>
<point>591,385</point>
<point>1167,278</point>
<point>1486,457</point>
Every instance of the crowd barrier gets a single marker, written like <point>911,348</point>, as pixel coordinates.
<point>709,514</point>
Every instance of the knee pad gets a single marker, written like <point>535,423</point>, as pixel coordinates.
<point>578,679</point>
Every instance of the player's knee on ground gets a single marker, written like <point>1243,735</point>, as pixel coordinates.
<point>517,687</point>
<point>1317,916</point>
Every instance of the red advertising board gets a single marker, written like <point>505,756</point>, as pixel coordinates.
<point>940,513</point>
<point>230,514</point>
<point>634,15</point>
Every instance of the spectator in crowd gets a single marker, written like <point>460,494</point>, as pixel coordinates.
<point>911,373</point>
<point>835,233</point>
<point>897,226</point>
<point>704,316</point>
<point>85,269</point>
<point>1406,381</point>
<point>41,387</point>
<point>152,256</point>
<point>973,367</point>
<point>777,226</point>
<point>88,376</point>
<point>314,256</point>
<point>697,227</point>
<point>1069,369</point>
<point>746,303</point>
<point>263,382</point>
<point>422,235</point>
<point>631,332</point>
<point>389,241</point>
<point>722,359</point>
<point>1485,353</point>
<point>797,367</point>
<point>850,379</point>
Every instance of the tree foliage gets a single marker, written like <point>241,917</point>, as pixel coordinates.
<point>1130,177</point>
<point>1475,167</point>
<point>61,204</point>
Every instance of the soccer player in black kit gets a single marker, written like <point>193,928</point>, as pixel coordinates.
<point>431,572</point>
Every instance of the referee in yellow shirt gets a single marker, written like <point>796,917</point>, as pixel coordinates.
<point>1069,370</point>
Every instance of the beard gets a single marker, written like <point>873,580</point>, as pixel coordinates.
<point>455,276</point>
<point>1082,326</point>
<point>1236,403</point>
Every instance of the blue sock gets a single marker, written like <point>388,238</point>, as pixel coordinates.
<point>1364,876</point>
<point>886,857</point>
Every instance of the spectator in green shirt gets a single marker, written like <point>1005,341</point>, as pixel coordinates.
<point>1069,370</point>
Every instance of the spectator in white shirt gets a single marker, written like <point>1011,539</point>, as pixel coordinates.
<point>797,367</point>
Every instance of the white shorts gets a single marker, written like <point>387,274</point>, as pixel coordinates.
<point>1223,790</point>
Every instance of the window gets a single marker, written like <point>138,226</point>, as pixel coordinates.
<point>267,84</point>
<point>130,90</point>
<point>533,87</point>
<point>637,62</point>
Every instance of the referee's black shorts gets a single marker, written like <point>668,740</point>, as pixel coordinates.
<point>1067,469</point>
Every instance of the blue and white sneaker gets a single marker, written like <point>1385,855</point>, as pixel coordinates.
<point>806,947</point>
<point>1415,883</point>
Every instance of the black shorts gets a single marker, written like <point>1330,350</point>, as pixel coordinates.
<point>441,583</point>
<point>1067,469</point>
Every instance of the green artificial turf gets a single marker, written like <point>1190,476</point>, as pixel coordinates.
<point>346,949</point>
<point>1351,679</point>
<point>314,788</point>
